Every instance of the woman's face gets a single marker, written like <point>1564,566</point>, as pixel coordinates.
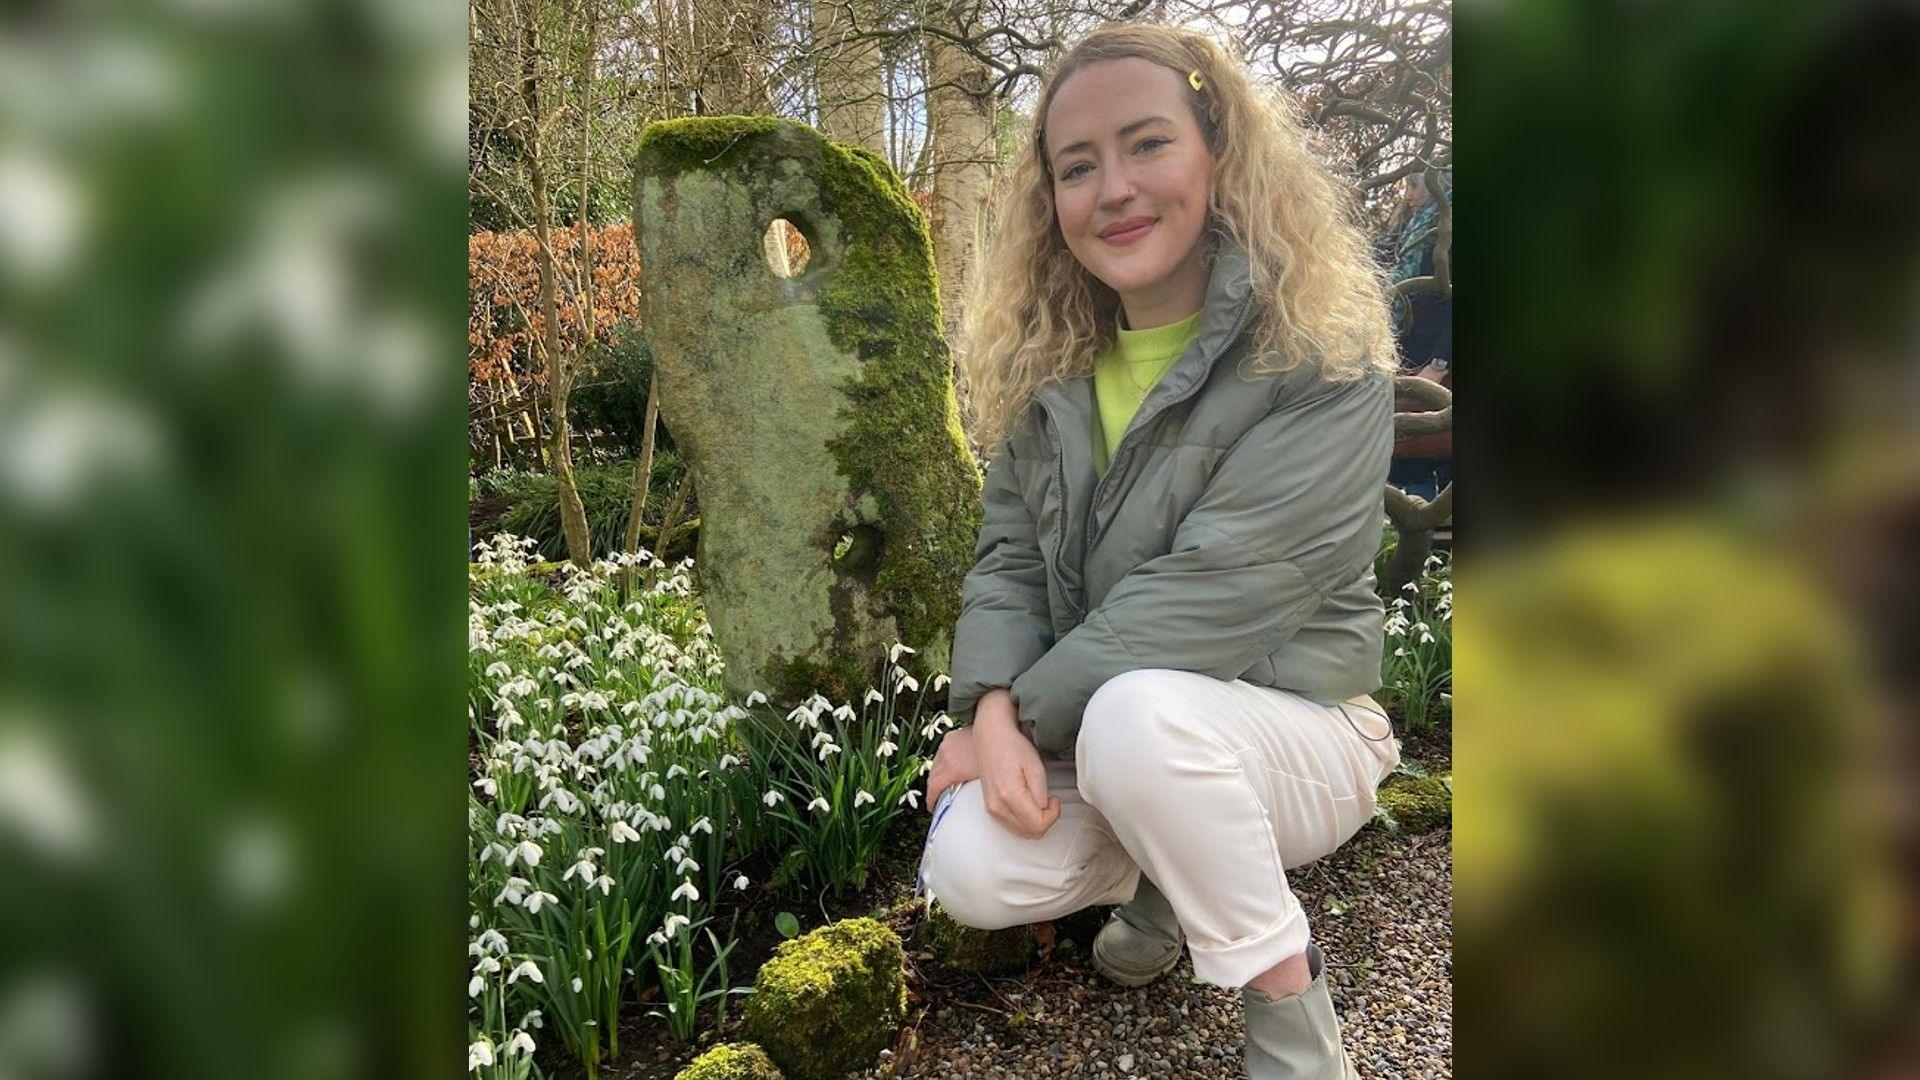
<point>1131,180</point>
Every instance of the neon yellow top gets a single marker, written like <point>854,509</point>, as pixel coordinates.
<point>1123,375</point>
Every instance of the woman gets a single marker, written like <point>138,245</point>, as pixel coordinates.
<point>1180,349</point>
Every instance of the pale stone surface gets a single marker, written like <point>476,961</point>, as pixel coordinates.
<point>818,411</point>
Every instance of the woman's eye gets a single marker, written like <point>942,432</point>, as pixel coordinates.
<point>1150,145</point>
<point>1074,170</point>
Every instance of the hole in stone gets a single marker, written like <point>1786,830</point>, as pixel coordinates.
<point>785,249</point>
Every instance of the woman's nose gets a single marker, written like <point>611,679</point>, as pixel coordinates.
<point>1116,186</point>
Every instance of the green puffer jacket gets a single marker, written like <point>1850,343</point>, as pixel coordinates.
<point>1233,535</point>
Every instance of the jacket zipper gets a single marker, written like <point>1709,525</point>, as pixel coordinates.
<point>1140,424</point>
<point>1060,458</point>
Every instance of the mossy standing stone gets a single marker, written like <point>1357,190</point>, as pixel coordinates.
<point>840,501</point>
<point>731,1061</point>
<point>830,1000</point>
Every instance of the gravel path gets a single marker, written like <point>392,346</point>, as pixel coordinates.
<point>1381,910</point>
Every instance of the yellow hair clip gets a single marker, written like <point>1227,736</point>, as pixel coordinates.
<point>1193,80</point>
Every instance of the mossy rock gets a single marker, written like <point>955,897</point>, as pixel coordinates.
<point>1417,803</point>
<point>830,1000</point>
<point>840,501</point>
<point>731,1061</point>
<point>983,952</point>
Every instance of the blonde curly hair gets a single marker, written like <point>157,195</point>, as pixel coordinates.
<point>1035,314</point>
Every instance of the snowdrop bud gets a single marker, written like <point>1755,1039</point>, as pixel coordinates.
<point>740,882</point>
<point>578,985</point>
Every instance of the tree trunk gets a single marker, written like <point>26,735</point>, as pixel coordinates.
<point>960,112</point>
<point>848,77</point>
<point>573,515</point>
<point>643,476</point>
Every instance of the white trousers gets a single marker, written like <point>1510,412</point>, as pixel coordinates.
<point>1212,789</point>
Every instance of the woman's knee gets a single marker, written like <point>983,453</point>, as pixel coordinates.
<point>1128,735</point>
<point>961,873</point>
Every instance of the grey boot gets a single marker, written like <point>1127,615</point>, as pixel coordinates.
<point>1295,1037</point>
<point>1141,940</point>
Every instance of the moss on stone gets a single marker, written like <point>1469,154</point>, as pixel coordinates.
<point>873,280</point>
<point>830,1000</point>
<point>1417,803</point>
<point>984,952</point>
<point>731,1061</point>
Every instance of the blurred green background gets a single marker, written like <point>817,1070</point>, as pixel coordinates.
<point>1684,739</point>
<point>232,246</point>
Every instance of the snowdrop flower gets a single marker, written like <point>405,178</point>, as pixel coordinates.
<point>819,805</point>
<point>938,682</point>
<point>675,921</point>
<point>872,696</point>
<point>659,793</point>
<point>487,786</point>
<point>820,737</point>
<point>829,750</point>
<point>756,698</point>
<point>528,968</point>
<point>578,985</point>
<point>886,748</point>
<point>528,852</point>
<point>861,798</point>
<point>845,712</point>
<point>907,682</point>
<point>893,654</point>
<point>583,868</point>
<point>521,1042</point>
<point>772,797</point>
<point>676,770</point>
<point>535,899</point>
<point>514,892</point>
<point>479,1054</point>
<point>475,985</point>
<point>687,866</point>
<point>911,798</point>
<point>1400,652</point>
<point>656,938</point>
<point>727,761</point>
<point>675,852</point>
<point>740,882</point>
<point>704,825</point>
<point>604,883</point>
<point>687,890</point>
<point>492,941</point>
<point>622,832</point>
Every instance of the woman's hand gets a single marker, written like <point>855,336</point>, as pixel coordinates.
<point>953,763</point>
<point>1012,777</point>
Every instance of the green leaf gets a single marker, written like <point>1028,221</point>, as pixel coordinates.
<point>1336,905</point>
<point>787,923</point>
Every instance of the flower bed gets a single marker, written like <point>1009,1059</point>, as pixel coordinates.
<point>617,794</point>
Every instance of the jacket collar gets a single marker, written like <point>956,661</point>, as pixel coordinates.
<point>1229,292</point>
